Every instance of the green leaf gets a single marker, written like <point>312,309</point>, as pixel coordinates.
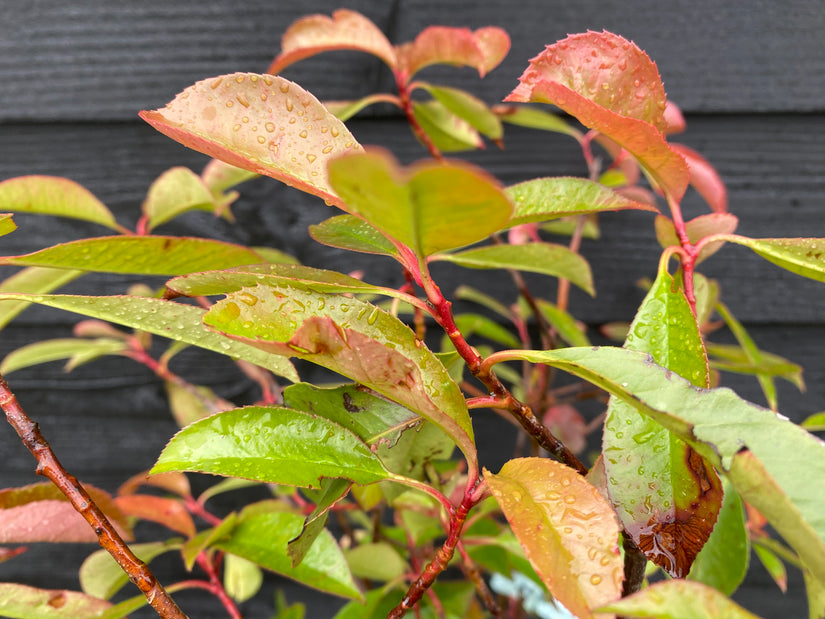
<point>271,444</point>
<point>448,132</point>
<point>567,529</point>
<point>759,451</point>
<point>179,322</point>
<point>805,257</point>
<point>34,280</point>
<point>478,324</point>
<point>220,176</point>
<point>815,422</point>
<point>666,496</point>
<point>468,293</point>
<point>429,207</point>
<point>262,537</point>
<point>774,566</point>
<point>7,224</point>
<point>344,110</point>
<point>261,123</point>
<point>52,195</point>
<point>353,338</point>
<point>377,604</point>
<point>678,599</point>
<point>626,106</point>
<point>333,490</point>
<point>535,118</point>
<point>101,576</point>
<point>545,258</point>
<point>467,107</point>
<point>146,255</point>
<point>175,192</point>
<point>192,402</point>
<point>732,358</point>
<point>346,30</point>
<point>242,579</point>
<point>723,560</point>
<point>350,232</point>
<point>567,226</point>
<point>376,561</point>
<point>566,326</point>
<point>207,539</point>
<point>55,350</point>
<point>541,199</point>
<point>23,602</point>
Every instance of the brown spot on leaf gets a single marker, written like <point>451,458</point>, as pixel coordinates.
<point>58,600</point>
<point>350,406</point>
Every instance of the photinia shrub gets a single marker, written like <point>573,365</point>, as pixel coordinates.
<point>690,477</point>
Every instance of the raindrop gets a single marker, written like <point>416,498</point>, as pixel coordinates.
<point>326,150</point>
<point>236,127</point>
<point>261,139</point>
<point>263,96</point>
<point>288,105</point>
<point>248,298</point>
<point>240,78</point>
<point>268,80</point>
<point>569,499</point>
<point>270,127</point>
<point>216,82</point>
<point>242,100</point>
<point>303,133</point>
<point>229,104</point>
<point>604,560</point>
<point>334,132</point>
<point>595,579</point>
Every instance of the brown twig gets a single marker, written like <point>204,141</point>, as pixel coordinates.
<point>109,538</point>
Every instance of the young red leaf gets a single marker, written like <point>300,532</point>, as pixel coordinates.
<point>483,49</point>
<point>177,483</point>
<point>168,512</point>
<point>697,229</point>
<point>568,531</point>
<point>704,178</point>
<point>674,120</point>
<point>612,86</point>
<point>41,513</point>
<point>318,33</point>
<point>261,123</point>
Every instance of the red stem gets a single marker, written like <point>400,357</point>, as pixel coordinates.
<point>216,587</point>
<point>49,466</point>
<point>407,107</point>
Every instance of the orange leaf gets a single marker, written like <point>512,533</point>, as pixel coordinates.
<point>483,49</point>
<point>261,123</point>
<point>318,33</point>
<point>168,512</point>
<point>704,178</point>
<point>612,86</point>
<point>177,483</point>
<point>567,528</point>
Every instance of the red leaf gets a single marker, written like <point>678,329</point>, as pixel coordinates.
<point>612,86</point>
<point>261,123</point>
<point>483,49</point>
<point>704,178</point>
<point>41,513</point>
<point>176,483</point>
<point>168,512</point>
<point>318,33</point>
<point>674,121</point>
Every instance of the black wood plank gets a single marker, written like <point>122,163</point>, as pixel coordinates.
<point>105,60</point>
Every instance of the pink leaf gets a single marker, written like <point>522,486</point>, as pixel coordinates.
<point>41,513</point>
<point>168,512</point>
<point>483,49</point>
<point>177,483</point>
<point>704,178</point>
<point>261,123</point>
<point>318,33</point>
<point>612,86</point>
<point>674,121</point>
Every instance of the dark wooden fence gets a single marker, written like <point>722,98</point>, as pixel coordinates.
<point>750,78</point>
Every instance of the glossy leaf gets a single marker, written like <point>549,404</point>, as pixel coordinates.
<point>176,321</point>
<point>805,257</point>
<point>52,195</point>
<point>56,350</point>
<point>175,192</point>
<point>704,178</point>
<point>24,602</point>
<point>428,207</point>
<point>346,29</point>
<point>666,496</point>
<point>815,422</point>
<point>208,538</point>
<point>101,576</point>
<point>467,107</point>
<point>565,325</point>
<point>723,561</point>
<point>353,338</point>
<point>262,537</point>
<point>678,599</point>
<point>34,280</point>
<point>535,118</point>
<point>41,513</point>
<point>760,452</point>
<point>7,224</point>
<point>271,444</point>
<point>612,86</point>
<point>697,229</point>
<point>774,566</point>
<point>544,258</point>
<point>169,512</point>
<point>376,561</point>
<point>567,529</point>
<point>482,50</point>
<point>176,483</point>
<point>261,123</point>
<point>448,132</point>
<point>146,255</point>
<point>350,232</point>
<point>242,579</point>
<point>333,490</point>
<point>188,403</point>
<point>542,199</point>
